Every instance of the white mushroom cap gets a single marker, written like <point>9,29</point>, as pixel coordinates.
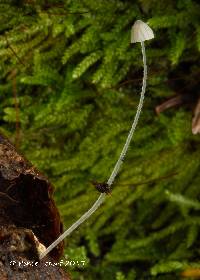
<point>141,32</point>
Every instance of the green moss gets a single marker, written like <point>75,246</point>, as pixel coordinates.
<point>78,82</point>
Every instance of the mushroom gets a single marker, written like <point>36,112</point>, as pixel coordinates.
<point>140,32</point>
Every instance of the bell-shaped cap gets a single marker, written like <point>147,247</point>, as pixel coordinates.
<point>141,32</point>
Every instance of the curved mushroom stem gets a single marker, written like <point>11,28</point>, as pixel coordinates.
<point>132,130</point>
<point>110,181</point>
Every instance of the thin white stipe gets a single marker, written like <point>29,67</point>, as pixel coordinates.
<point>115,171</point>
<point>131,132</point>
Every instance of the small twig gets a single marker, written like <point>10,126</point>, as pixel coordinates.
<point>14,52</point>
<point>131,81</point>
<point>173,101</point>
<point>154,180</point>
<point>59,6</point>
<point>63,14</point>
<point>103,187</point>
<point>191,273</point>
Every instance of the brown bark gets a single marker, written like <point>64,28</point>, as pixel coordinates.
<point>19,257</point>
<point>27,208</point>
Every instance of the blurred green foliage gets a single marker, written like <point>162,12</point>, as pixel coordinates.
<point>77,83</point>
